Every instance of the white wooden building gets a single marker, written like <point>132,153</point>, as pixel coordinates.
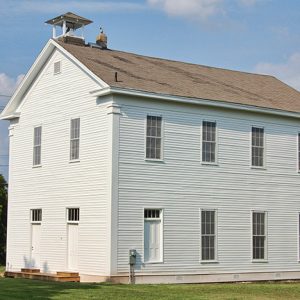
<point>195,168</point>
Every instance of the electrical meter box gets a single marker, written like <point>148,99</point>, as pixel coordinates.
<point>132,256</point>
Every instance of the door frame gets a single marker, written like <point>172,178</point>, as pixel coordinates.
<point>32,223</point>
<point>31,240</point>
<point>67,234</point>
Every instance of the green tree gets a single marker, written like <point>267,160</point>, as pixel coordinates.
<point>3,219</point>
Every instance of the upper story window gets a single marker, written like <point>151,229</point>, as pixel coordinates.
<point>257,152</point>
<point>57,67</point>
<point>259,235</point>
<point>36,215</point>
<point>37,145</point>
<point>74,139</point>
<point>208,235</point>
<point>209,142</point>
<point>154,137</point>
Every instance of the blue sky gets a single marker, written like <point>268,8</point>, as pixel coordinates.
<point>260,36</point>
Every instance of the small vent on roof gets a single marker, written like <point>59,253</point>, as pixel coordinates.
<point>57,67</point>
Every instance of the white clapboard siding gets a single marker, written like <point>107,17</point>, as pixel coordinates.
<point>181,186</point>
<point>51,103</point>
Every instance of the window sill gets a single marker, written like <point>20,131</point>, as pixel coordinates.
<point>258,168</point>
<point>74,161</point>
<point>154,160</point>
<point>153,262</point>
<point>209,164</point>
<point>260,261</point>
<point>36,166</point>
<point>209,262</point>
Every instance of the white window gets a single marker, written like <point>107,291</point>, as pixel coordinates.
<point>209,142</point>
<point>37,145</point>
<point>75,136</point>
<point>154,137</point>
<point>208,235</point>
<point>36,215</point>
<point>73,214</point>
<point>152,235</point>
<point>57,67</point>
<point>259,237</point>
<point>257,156</point>
<point>299,236</point>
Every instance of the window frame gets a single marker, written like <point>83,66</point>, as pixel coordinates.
<point>298,235</point>
<point>264,166</point>
<point>161,260</point>
<point>216,258</point>
<point>161,159</point>
<point>72,160</point>
<point>216,162</point>
<point>31,215</point>
<point>67,215</point>
<point>265,259</point>
<point>35,165</point>
<point>298,152</point>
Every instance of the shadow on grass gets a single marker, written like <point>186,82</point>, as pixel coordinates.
<point>34,289</point>
<point>15,289</point>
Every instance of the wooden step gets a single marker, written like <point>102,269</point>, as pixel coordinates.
<point>30,270</point>
<point>70,274</point>
<point>44,276</point>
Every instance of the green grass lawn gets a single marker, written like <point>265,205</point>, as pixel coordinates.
<point>2,269</point>
<point>13,289</point>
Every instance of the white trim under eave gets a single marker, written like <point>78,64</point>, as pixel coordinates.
<point>197,101</point>
<point>12,116</point>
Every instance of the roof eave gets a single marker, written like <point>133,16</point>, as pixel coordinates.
<point>195,101</point>
<point>10,117</point>
<point>14,103</point>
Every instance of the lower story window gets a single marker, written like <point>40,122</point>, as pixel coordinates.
<point>259,235</point>
<point>36,215</point>
<point>73,214</point>
<point>152,235</point>
<point>299,236</point>
<point>208,235</point>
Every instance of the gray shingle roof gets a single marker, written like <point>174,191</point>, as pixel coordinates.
<point>163,76</point>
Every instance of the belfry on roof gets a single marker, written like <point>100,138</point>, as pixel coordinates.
<point>69,23</point>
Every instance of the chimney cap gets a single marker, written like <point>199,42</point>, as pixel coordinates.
<point>76,20</point>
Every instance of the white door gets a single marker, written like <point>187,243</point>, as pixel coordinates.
<point>35,245</point>
<point>152,241</point>
<point>73,247</point>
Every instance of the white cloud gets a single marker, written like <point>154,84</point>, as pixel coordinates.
<point>8,84</point>
<point>201,9</point>
<point>289,71</point>
<point>248,2</point>
<point>198,9</point>
<point>60,7</point>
